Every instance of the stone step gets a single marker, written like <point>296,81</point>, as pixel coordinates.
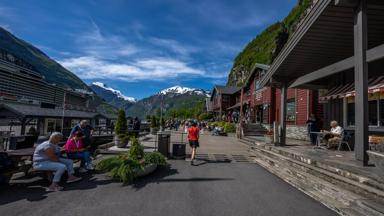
<point>334,191</point>
<point>369,182</point>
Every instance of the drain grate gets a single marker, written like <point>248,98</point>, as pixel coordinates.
<point>241,158</point>
<point>221,158</point>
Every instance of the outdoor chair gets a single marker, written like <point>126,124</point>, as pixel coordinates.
<point>346,137</point>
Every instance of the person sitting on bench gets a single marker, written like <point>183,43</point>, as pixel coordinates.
<point>75,150</point>
<point>334,136</point>
<point>47,158</point>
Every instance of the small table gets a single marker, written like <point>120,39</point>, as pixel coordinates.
<point>318,139</point>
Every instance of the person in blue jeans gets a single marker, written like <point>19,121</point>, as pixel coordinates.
<point>75,150</point>
<point>47,158</point>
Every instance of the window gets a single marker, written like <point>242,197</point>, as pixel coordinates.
<point>291,109</point>
<point>351,114</point>
<point>372,113</point>
<point>375,111</point>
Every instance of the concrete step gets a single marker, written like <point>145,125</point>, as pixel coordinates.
<point>335,191</point>
<point>337,170</point>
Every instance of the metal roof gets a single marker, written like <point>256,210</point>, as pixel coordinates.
<point>26,110</point>
<point>324,37</point>
<point>227,89</point>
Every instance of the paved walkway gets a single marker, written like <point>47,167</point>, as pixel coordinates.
<point>212,188</point>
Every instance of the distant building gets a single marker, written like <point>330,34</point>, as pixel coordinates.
<point>27,100</point>
<point>222,98</point>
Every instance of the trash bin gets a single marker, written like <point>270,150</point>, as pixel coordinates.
<point>164,140</point>
<point>178,150</point>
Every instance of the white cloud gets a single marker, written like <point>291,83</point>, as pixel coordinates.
<point>156,69</point>
<point>173,46</point>
<point>102,56</point>
<point>93,43</point>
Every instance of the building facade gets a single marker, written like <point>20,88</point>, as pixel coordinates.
<point>28,101</point>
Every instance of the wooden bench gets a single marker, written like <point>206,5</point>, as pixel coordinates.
<point>374,141</point>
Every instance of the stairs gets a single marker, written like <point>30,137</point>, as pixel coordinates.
<point>254,130</point>
<point>345,192</point>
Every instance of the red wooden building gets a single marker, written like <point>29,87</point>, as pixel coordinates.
<point>261,105</point>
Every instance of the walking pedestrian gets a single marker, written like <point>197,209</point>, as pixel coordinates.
<point>193,137</point>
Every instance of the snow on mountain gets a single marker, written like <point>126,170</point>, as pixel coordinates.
<point>184,90</point>
<point>116,92</point>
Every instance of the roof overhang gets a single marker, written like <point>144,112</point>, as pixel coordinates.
<point>323,38</point>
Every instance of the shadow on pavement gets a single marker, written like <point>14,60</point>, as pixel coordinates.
<point>155,177</point>
<point>160,175</point>
<point>36,190</point>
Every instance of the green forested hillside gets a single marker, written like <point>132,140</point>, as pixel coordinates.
<point>149,105</point>
<point>50,69</point>
<point>266,46</point>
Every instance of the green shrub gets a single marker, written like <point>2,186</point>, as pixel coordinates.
<point>154,122</point>
<point>229,127</point>
<point>121,124</point>
<point>136,151</point>
<point>109,163</point>
<point>126,171</point>
<point>124,138</point>
<point>155,158</point>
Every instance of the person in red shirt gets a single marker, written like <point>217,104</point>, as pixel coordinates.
<point>193,137</point>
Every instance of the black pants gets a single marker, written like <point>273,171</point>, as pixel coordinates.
<point>313,138</point>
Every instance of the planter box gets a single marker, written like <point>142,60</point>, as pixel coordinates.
<point>148,169</point>
<point>119,143</point>
<point>154,131</point>
<point>231,134</point>
<point>268,139</point>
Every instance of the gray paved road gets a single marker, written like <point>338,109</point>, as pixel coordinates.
<point>209,189</point>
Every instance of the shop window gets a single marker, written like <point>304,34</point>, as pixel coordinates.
<point>291,109</point>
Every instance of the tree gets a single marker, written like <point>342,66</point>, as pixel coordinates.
<point>121,124</point>
<point>154,122</point>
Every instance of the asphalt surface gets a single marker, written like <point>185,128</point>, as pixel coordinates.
<point>211,188</point>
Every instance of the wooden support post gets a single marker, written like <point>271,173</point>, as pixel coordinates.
<point>361,83</point>
<point>283,115</point>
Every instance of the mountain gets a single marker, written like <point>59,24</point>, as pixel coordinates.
<point>171,98</point>
<point>267,45</point>
<point>52,71</point>
<point>112,96</point>
<point>178,90</point>
<point>30,57</point>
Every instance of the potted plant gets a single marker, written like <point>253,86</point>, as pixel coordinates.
<point>133,164</point>
<point>268,137</point>
<point>154,126</point>
<point>121,138</point>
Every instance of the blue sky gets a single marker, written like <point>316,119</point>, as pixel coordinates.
<point>141,47</point>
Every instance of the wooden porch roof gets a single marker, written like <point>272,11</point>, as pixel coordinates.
<point>325,37</point>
